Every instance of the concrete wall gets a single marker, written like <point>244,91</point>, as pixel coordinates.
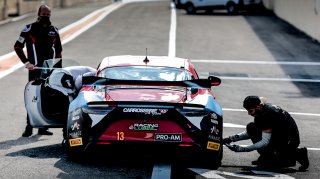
<point>20,7</point>
<point>3,12</point>
<point>303,14</point>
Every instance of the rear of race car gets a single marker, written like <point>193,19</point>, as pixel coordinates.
<point>193,123</point>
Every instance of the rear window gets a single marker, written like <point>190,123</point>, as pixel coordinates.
<point>146,73</point>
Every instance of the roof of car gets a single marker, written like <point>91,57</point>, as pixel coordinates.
<point>131,60</point>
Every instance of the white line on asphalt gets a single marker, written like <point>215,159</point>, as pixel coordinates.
<point>293,113</point>
<point>246,62</point>
<point>106,11</point>
<point>172,36</point>
<point>309,148</point>
<point>271,79</point>
<point>216,174</point>
<point>161,171</point>
<point>230,125</point>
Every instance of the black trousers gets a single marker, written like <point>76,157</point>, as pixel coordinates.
<point>279,152</point>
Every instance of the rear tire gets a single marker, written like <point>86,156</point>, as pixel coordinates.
<point>190,8</point>
<point>211,160</point>
<point>75,154</point>
<point>232,8</point>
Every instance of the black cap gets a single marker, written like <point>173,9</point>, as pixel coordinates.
<point>251,102</point>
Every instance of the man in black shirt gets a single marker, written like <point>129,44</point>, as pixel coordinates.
<point>274,134</point>
<point>42,41</point>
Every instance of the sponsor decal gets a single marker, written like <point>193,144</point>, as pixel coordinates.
<point>214,130</point>
<point>21,40</point>
<point>214,116</point>
<point>34,99</point>
<point>75,134</point>
<point>146,111</point>
<point>75,126</point>
<point>76,112</point>
<point>213,146</point>
<point>213,121</point>
<point>144,127</point>
<point>75,142</point>
<point>168,137</point>
<point>212,137</point>
<point>26,28</point>
<point>75,118</point>
<point>52,33</point>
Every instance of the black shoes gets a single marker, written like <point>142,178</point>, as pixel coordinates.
<point>41,131</point>
<point>27,132</point>
<point>303,158</point>
<point>44,132</point>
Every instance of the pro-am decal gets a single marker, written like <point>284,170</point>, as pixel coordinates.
<point>147,111</point>
<point>75,142</point>
<point>213,146</point>
<point>144,127</point>
<point>168,137</point>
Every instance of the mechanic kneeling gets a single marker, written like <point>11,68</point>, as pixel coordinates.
<point>274,134</point>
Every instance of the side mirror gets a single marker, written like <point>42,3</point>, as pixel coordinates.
<point>215,81</point>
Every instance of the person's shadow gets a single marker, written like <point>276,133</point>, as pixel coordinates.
<point>5,145</point>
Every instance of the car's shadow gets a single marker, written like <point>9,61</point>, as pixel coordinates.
<point>113,163</point>
<point>123,162</point>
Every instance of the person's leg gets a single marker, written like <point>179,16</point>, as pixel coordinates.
<point>302,158</point>
<point>28,131</point>
<point>267,156</point>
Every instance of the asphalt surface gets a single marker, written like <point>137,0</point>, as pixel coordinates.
<point>217,36</point>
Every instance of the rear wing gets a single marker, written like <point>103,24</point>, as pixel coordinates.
<point>196,83</point>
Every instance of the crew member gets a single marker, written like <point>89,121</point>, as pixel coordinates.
<point>42,41</point>
<point>274,134</point>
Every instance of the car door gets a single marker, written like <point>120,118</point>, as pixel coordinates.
<point>47,106</point>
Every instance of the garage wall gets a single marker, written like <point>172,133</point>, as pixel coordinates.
<point>20,7</point>
<point>2,10</point>
<point>303,14</point>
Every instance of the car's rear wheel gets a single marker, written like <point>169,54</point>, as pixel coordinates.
<point>232,8</point>
<point>190,8</point>
<point>211,160</point>
<point>75,154</point>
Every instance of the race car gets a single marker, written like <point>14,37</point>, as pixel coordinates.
<point>156,100</point>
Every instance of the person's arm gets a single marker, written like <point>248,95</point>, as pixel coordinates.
<point>18,47</point>
<point>265,140</point>
<point>58,45</point>
<point>266,136</point>
<point>238,137</point>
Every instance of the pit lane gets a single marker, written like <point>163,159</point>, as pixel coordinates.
<point>24,157</point>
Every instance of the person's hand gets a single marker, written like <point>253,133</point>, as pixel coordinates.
<point>29,66</point>
<point>227,140</point>
<point>237,148</point>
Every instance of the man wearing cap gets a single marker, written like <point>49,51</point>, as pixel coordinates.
<point>274,134</point>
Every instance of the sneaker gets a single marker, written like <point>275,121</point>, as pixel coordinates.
<point>303,158</point>
<point>27,132</point>
<point>44,132</point>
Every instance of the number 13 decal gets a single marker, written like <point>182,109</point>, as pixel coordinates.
<point>120,135</point>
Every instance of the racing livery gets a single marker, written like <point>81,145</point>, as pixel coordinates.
<point>156,100</point>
